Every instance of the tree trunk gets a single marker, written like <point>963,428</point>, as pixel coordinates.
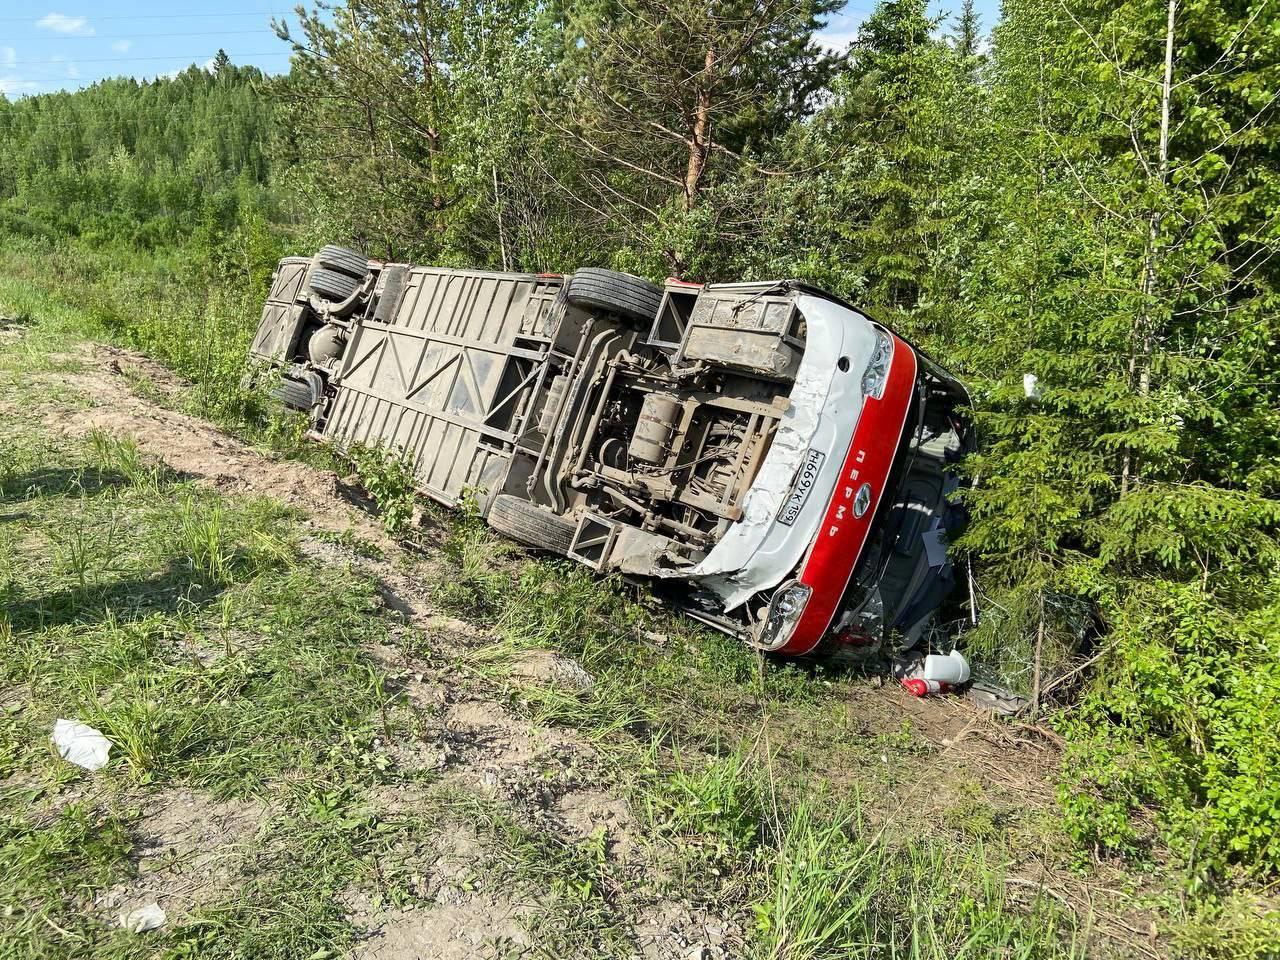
<point>700,141</point>
<point>1144,332</point>
<point>432,117</point>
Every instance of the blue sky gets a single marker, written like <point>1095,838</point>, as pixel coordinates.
<point>68,45</point>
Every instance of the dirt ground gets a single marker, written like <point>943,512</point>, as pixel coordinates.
<point>549,774</point>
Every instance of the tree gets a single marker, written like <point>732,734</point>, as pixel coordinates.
<point>968,33</point>
<point>872,205</point>
<point>136,163</point>
<point>1132,267</point>
<point>668,94</point>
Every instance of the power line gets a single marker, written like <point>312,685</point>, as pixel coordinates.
<point>172,56</point>
<point>163,16</point>
<point>144,36</point>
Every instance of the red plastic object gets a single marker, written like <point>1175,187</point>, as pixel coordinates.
<point>919,687</point>
<point>853,638</point>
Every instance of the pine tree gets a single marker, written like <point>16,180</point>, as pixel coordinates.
<point>873,212</point>
<point>968,33</point>
<point>669,96</point>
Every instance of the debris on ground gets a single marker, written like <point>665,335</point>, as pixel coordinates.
<point>989,696</point>
<point>936,673</point>
<point>80,744</point>
<point>147,917</point>
<point>555,670</point>
<point>952,668</point>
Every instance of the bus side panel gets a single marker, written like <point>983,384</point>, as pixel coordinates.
<point>431,381</point>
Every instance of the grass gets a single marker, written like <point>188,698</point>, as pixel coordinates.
<point>840,889</point>
<point>185,627</point>
<point>196,323</point>
<point>680,712</point>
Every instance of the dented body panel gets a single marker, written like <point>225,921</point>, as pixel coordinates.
<point>444,376</point>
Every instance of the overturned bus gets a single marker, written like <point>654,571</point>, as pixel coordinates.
<point>775,462</point>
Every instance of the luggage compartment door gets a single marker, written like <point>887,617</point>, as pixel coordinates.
<point>448,378</point>
<point>283,314</point>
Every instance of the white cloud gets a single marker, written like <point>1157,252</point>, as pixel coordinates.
<point>122,46</point>
<point>73,71</point>
<point>207,66</point>
<point>8,57</point>
<point>840,31</point>
<point>12,86</point>
<point>61,23</point>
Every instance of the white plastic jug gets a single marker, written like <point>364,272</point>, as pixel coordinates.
<point>952,668</point>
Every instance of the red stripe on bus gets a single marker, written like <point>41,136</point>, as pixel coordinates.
<point>843,535</point>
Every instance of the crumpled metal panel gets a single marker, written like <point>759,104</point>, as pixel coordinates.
<point>428,382</point>
<point>748,332</point>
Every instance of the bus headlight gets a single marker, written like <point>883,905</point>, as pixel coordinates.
<point>788,604</point>
<point>877,373</point>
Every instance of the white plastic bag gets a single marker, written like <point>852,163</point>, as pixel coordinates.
<point>144,918</point>
<point>81,744</point>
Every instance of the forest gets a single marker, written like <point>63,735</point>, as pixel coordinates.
<point>1074,208</point>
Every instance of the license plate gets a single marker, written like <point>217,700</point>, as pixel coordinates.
<point>803,486</point>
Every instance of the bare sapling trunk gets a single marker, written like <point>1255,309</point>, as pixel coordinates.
<point>1144,332</point>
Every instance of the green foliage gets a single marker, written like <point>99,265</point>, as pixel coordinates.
<point>1185,717</point>
<point>1056,206</point>
<point>1130,271</point>
<point>720,806</point>
<point>142,164</point>
<point>47,863</point>
<point>840,889</point>
<point>388,478</point>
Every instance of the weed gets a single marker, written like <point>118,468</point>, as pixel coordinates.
<point>719,808</point>
<point>219,547</point>
<point>388,478</point>
<point>972,815</point>
<point>84,553</point>
<point>1241,927</point>
<point>44,869</point>
<point>570,881</point>
<point>835,891</point>
<point>121,455</point>
<point>350,540</point>
<point>475,588</point>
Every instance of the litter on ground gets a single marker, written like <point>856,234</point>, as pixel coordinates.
<point>144,918</point>
<point>80,744</point>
